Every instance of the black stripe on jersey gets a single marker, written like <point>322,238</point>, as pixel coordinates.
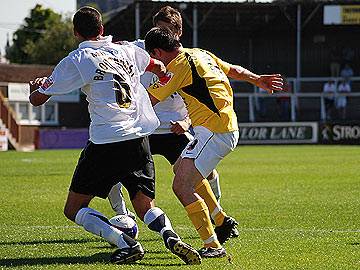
<point>198,89</point>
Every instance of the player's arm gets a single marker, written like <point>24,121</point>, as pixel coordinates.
<point>270,83</point>
<point>64,79</point>
<point>36,98</point>
<point>157,67</point>
<point>170,83</point>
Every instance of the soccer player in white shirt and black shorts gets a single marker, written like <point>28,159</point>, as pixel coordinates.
<point>118,150</point>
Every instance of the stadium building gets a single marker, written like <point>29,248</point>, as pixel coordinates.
<point>309,42</point>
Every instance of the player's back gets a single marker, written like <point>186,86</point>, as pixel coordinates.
<point>118,104</point>
<point>208,94</point>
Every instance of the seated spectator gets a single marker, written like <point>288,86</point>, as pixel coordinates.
<point>341,100</point>
<point>329,90</point>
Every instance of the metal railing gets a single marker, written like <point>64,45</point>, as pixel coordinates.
<point>296,94</point>
<point>293,101</point>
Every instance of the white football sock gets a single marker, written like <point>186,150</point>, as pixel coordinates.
<point>116,199</point>
<point>96,223</point>
<point>215,186</point>
<point>157,221</point>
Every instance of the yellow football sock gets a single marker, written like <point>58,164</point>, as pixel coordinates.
<point>199,216</point>
<point>205,192</point>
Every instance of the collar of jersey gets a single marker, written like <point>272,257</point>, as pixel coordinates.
<point>96,43</point>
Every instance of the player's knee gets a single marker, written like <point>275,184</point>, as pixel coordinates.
<point>179,187</point>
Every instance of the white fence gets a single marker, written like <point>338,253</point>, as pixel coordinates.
<point>296,94</point>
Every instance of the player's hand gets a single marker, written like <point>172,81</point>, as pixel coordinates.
<point>36,83</point>
<point>271,83</point>
<point>159,68</point>
<point>179,127</point>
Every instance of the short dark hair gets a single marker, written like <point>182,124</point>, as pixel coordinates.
<point>169,15</point>
<point>161,38</point>
<point>87,22</point>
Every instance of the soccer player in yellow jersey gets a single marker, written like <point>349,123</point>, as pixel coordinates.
<point>209,188</point>
<point>201,79</point>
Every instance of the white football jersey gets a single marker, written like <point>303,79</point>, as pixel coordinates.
<point>171,109</point>
<point>109,75</point>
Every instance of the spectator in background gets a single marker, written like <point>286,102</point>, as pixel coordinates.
<point>341,100</point>
<point>335,58</point>
<point>347,72</point>
<point>329,90</point>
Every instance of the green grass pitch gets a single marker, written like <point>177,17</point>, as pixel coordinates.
<point>298,208</point>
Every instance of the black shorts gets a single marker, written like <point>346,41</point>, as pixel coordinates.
<point>169,145</point>
<point>101,166</point>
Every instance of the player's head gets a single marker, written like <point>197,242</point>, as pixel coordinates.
<point>162,44</point>
<point>87,23</point>
<point>171,18</point>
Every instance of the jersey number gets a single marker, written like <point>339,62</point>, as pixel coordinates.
<point>122,92</point>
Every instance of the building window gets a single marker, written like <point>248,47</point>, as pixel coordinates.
<point>27,114</point>
<point>50,113</point>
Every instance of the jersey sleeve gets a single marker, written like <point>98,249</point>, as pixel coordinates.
<point>64,79</point>
<point>142,58</point>
<point>224,66</point>
<point>177,77</point>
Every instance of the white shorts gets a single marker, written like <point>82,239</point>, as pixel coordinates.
<point>208,148</point>
<point>341,102</point>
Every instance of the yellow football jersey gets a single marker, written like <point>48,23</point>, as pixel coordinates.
<point>200,78</point>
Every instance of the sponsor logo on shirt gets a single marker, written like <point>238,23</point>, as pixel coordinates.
<point>48,82</point>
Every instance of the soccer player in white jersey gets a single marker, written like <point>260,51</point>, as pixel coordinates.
<point>171,138</point>
<point>118,149</point>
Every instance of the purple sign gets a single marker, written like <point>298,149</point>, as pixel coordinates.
<point>63,138</point>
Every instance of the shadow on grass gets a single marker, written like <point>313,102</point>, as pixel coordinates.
<point>96,258</point>
<point>56,241</point>
<point>149,261</point>
<point>102,257</point>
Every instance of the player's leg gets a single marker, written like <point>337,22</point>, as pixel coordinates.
<point>91,179</point>
<point>117,202</point>
<point>214,181</point>
<point>141,187</point>
<point>157,221</point>
<point>171,147</point>
<point>77,210</point>
<point>205,152</point>
<point>186,178</point>
<point>217,214</point>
